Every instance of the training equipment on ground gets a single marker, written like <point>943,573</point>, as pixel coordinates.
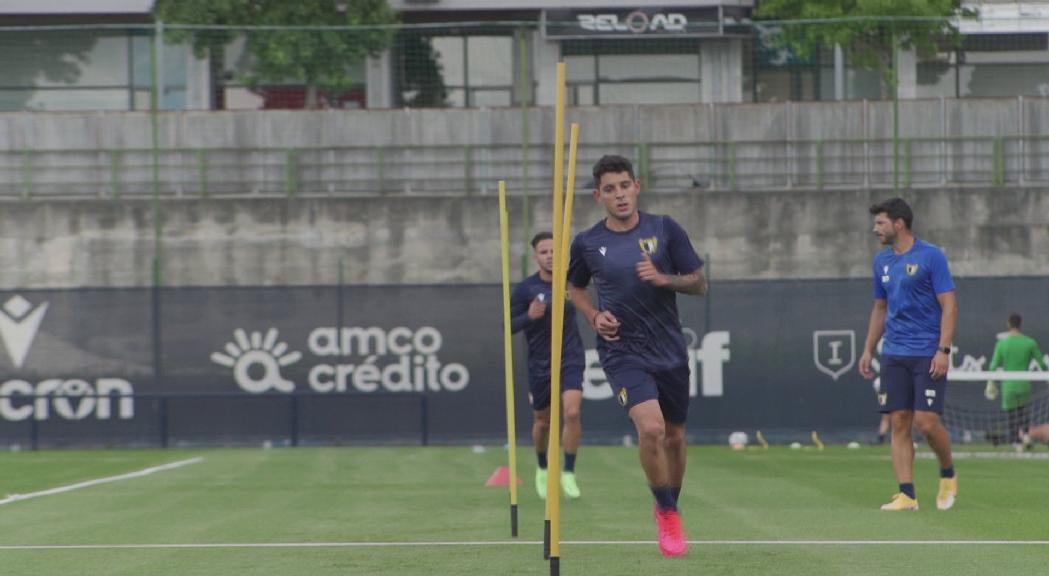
<point>761,440</point>
<point>738,440</point>
<point>508,358</point>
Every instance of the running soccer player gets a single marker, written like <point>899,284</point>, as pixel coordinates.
<point>530,311</point>
<point>916,309</point>
<point>638,262</point>
<point>1015,352</point>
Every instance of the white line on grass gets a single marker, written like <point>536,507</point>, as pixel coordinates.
<point>467,543</point>
<point>88,483</point>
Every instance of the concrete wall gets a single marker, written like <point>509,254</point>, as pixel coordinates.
<point>790,234</point>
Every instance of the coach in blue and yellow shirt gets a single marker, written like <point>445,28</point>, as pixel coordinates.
<point>916,310</point>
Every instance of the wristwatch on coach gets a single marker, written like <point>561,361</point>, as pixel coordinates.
<point>946,350</point>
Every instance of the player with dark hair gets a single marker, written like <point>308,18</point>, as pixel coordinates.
<point>638,262</point>
<point>915,308</point>
<point>530,311</point>
<point>1015,353</point>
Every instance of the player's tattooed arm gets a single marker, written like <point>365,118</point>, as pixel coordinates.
<point>694,283</point>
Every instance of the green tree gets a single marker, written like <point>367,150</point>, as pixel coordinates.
<point>420,79</point>
<point>870,30</point>
<point>318,58</point>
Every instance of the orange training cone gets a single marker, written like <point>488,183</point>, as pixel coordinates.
<point>501,477</point>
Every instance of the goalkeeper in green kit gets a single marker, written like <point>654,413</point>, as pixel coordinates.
<point>1015,353</point>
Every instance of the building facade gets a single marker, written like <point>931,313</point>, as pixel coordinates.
<point>110,54</point>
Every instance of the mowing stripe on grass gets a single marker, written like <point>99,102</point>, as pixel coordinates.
<point>468,543</point>
<point>88,483</point>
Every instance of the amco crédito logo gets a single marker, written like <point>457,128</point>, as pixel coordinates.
<point>349,359</point>
<point>69,399</point>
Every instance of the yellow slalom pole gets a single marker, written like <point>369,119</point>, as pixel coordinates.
<point>508,355</point>
<point>553,452</point>
<point>556,334</point>
<point>560,287</point>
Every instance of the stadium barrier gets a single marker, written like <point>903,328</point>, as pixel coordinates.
<point>423,364</point>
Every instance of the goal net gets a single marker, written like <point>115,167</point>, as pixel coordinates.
<point>972,415</point>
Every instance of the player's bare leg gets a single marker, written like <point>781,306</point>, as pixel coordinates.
<point>930,426</point>
<point>652,449</point>
<point>572,401</point>
<point>677,455</point>
<point>540,439</point>
<point>1039,433</point>
<point>651,441</point>
<point>903,461</point>
<point>903,446</point>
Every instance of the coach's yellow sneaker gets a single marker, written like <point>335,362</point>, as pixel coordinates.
<point>901,501</point>
<point>540,482</point>
<point>569,485</point>
<point>947,493</point>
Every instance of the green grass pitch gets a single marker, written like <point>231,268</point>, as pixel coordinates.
<point>311,510</point>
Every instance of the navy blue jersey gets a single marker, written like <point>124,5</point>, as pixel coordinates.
<point>910,282</point>
<point>537,332</point>
<point>649,329</point>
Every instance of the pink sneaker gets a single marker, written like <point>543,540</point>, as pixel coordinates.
<point>672,540</point>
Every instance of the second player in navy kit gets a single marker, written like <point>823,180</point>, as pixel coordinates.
<point>638,262</point>
<point>530,308</point>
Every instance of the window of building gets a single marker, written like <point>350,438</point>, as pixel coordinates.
<point>86,70</point>
<point>469,69</point>
<point>633,71</point>
<point>987,66</point>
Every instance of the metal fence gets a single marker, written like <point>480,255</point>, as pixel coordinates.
<point>476,169</point>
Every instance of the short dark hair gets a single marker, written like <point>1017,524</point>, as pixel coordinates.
<point>539,237</point>
<point>895,209</point>
<point>612,164</point>
<point>1015,320</point>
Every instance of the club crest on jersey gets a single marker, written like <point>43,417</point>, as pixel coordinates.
<point>649,245</point>
<point>912,269</point>
<point>622,397</point>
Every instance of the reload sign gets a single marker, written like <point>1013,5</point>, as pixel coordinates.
<point>637,22</point>
<point>699,21</point>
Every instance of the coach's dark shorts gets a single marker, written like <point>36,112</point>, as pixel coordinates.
<point>633,385</point>
<point>539,392</point>
<point>907,385</point>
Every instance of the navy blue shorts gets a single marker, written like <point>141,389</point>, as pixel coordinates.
<point>539,392</point>
<point>633,385</point>
<point>907,385</point>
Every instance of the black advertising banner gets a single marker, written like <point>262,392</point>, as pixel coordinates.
<point>411,364</point>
